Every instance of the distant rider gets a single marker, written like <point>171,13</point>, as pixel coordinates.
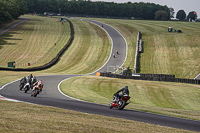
<point>124,91</point>
<point>34,80</point>
<point>30,78</point>
<point>117,52</point>
<point>23,80</point>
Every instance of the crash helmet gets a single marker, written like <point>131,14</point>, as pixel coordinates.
<point>34,79</point>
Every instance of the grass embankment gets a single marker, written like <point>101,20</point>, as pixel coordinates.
<point>90,50</point>
<point>23,117</point>
<point>33,41</point>
<point>164,53</point>
<point>173,99</point>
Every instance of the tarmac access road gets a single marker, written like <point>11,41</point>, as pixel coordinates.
<point>51,96</point>
<point>13,25</point>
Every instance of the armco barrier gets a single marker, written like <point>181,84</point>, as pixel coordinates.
<point>152,77</point>
<point>53,61</point>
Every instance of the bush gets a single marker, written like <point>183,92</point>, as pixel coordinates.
<point>198,20</point>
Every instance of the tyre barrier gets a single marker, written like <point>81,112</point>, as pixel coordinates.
<point>152,77</point>
<point>53,61</point>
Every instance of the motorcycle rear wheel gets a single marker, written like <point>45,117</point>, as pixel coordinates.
<point>121,105</point>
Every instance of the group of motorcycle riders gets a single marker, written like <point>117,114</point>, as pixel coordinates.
<point>119,100</point>
<point>31,83</point>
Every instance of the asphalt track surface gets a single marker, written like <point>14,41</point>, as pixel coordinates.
<point>51,96</point>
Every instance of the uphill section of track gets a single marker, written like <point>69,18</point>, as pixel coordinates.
<point>50,96</point>
<point>119,44</point>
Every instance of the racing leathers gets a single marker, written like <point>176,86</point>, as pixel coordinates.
<point>124,91</point>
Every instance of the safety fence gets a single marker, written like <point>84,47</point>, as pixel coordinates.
<point>50,63</point>
<point>151,77</point>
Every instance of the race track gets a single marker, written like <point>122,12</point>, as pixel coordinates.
<point>51,96</point>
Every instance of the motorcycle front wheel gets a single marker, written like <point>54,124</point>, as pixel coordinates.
<point>121,105</point>
<point>26,89</point>
<point>110,105</point>
<point>20,87</point>
<point>34,93</point>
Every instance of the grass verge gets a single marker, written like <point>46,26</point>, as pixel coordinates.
<point>23,117</point>
<point>173,99</point>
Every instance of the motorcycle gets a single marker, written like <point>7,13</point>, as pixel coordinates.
<point>23,81</point>
<point>121,103</point>
<point>117,52</point>
<point>27,87</point>
<point>37,88</point>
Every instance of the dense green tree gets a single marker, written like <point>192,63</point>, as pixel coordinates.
<point>22,6</point>
<point>4,13</point>
<point>192,16</point>
<point>161,15</point>
<point>86,7</point>
<point>11,9</point>
<point>171,12</point>
<point>181,15</point>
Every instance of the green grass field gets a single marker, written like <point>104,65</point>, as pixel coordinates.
<point>89,51</point>
<point>164,53</point>
<point>33,42</point>
<point>23,118</point>
<point>175,99</point>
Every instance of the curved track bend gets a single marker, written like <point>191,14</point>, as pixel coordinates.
<point>52,97</point>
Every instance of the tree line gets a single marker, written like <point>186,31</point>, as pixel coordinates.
<point>147,11</point>
<point>181,15</point>
<point>11,9</point>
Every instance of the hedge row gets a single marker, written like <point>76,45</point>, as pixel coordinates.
<point>53,61</point>
<point>151,77</point>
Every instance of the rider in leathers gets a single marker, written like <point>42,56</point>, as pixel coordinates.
<point>30,78</point>
<point>124,91</point>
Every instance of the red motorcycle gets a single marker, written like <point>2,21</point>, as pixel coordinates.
<point>121,103</point>
<point>37,88</point>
